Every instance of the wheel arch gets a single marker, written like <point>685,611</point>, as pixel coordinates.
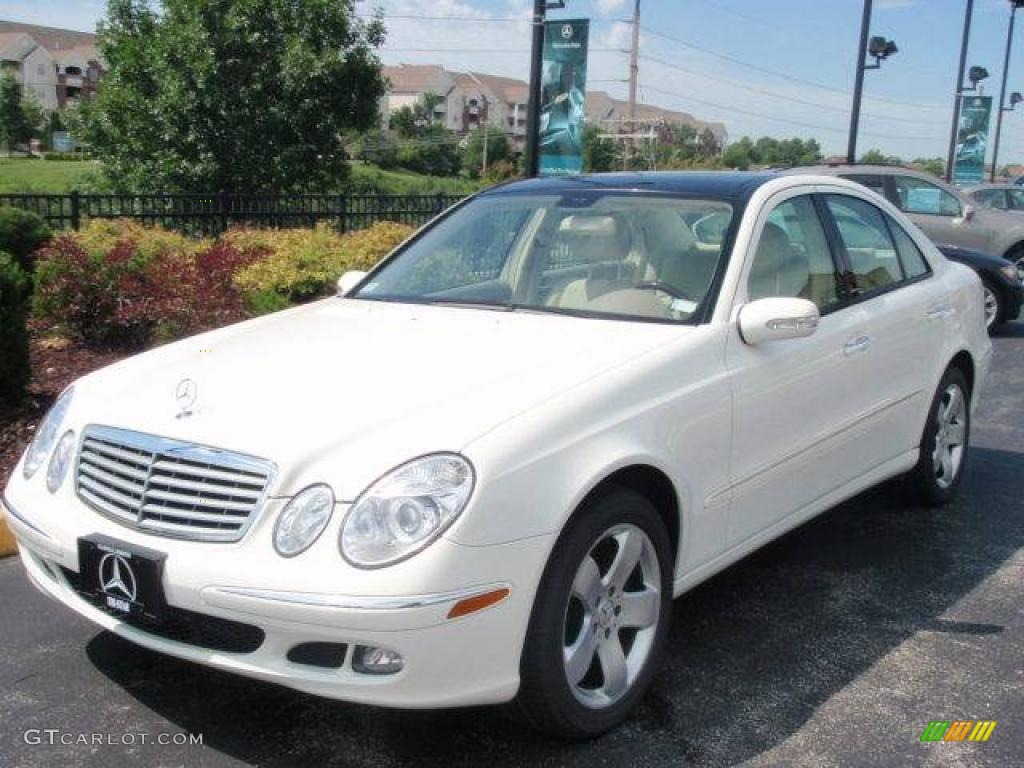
<point>965,363</point>
<point>653,484</point>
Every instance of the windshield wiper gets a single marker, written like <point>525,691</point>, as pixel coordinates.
<point>493,306</point>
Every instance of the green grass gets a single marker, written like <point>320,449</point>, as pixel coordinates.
<point>370,178</point>
<point>22,174</point>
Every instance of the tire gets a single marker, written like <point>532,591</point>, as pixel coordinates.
<point>940,467</point>
<point>993,307</point>
<point>616,523</point>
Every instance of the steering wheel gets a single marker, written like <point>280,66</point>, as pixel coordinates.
<point>658,285</point>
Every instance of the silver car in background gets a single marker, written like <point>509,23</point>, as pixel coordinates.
<point>946,214</point>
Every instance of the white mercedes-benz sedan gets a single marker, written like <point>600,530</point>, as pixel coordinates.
<point>482,472</point>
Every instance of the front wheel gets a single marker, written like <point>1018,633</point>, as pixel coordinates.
<point>599,619</point>
<point>944,442</point>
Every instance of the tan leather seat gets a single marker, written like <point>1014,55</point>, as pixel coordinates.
<point>778,269</point>
<point>605,249</point>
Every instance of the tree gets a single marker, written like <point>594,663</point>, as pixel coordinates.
<point>497,149</point>
<point>599,155</point>
<point>877,157</point>
<point>16,114</point>
<point>232,95</point>
<point>739,154</point>
<point>416,120</point>
<point>933,165</point>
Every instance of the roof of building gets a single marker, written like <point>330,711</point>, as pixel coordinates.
<point>419,78</point>
<point>601,107</point>
<point>15,46</point>
<point>510,90</point>
<point>51,38</point>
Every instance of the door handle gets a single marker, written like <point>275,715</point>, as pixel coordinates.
<point>940,312</point>
<point>859,344</point>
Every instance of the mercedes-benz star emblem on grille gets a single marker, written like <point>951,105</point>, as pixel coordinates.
<point>116,577</point>
<point>186,394</point>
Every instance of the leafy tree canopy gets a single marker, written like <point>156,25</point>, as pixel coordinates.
<point>232,95</point>
<point>19,116</point>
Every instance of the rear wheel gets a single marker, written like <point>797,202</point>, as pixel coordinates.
<point>599,619</point>
<point>944,442</point>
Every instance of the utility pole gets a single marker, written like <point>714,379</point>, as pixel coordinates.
<point>487,116</point>
<point>1014,5</point>
<point>858,88</point>
<point>958,98</point>
<point>634,68</point>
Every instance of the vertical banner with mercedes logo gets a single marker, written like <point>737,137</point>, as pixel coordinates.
<point>563,87</point>
<point>972,140</point>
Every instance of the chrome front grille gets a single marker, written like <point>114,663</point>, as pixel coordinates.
<point>169,487</point>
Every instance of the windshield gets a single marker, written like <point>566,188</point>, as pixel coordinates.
<point>603,254</point>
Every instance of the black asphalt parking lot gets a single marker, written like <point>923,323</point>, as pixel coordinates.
<point>835,645</point>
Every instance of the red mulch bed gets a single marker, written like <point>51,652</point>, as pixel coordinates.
<point>56,362</point>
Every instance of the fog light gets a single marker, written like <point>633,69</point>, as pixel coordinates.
<point>371,660</point>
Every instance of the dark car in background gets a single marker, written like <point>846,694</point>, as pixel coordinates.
<point>1003,281</point>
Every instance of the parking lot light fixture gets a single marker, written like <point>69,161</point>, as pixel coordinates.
<point>1015,97</point>
<point>879,48</point>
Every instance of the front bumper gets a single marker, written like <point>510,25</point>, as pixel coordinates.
<point>447,662</point>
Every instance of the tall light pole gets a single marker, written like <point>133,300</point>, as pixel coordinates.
<point>959,94</point>
<point>878,48</point>
<point>1014,5</point>
<point>540,10</point>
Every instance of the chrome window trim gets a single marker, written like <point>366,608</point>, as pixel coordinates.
<point>157,445</point>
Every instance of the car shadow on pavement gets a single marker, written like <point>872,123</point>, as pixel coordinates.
<point>753,652</point>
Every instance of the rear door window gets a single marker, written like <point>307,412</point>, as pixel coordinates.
<point>919,196</point>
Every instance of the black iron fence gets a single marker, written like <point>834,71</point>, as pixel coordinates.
<point>212,214</point>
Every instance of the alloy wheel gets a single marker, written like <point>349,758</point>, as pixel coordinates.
<point>612,615</point>
<point>950,436</point>
<point>991,307</point>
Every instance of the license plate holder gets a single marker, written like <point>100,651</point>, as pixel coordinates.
<point>124,579</point>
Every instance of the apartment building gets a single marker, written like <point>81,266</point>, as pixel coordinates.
<point>59,67</point>
<point>472,99</point>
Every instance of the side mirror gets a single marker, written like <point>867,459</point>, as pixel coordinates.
<point>968,213</point>
<point>776,319</point>
<point>349,280</point>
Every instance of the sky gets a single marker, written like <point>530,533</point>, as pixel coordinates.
<point>763,67</point>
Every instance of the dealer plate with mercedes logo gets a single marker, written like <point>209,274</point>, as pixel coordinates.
<point>122,578</point>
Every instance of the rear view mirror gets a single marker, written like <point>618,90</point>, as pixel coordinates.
<point>349,281</point>
<point>968,213</point>
<point>776,319</point>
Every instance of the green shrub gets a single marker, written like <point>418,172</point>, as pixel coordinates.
<point>302,264</point>
<point>14,361</point>
<point>21,234</point>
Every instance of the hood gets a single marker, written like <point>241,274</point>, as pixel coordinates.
<point>348,388</point>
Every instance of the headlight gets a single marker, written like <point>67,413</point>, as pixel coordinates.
<point>46,434</point>
<point>303,520</point>
<point>1010,272</point>
<point>59,461</point>
<point>406,510</point>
